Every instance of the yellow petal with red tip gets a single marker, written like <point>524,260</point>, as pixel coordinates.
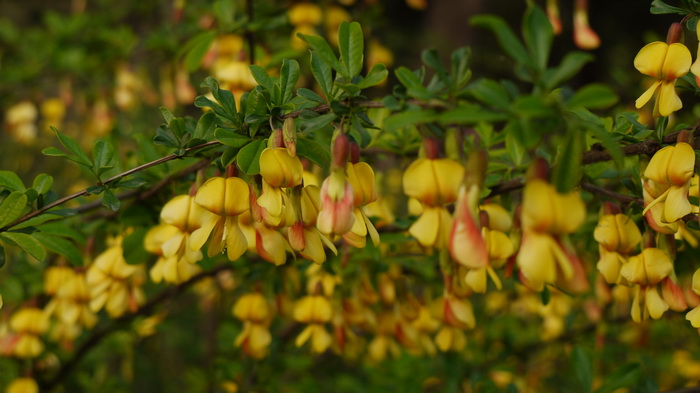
<point>657,170</point>
<point>677,62</point>
<point>650,58</point>
<point>449,175</point>
<point>361,178</point>
<point>681,164</point>
<point>211,195</point>
<point>271,245</point>
<point>314,246</point>
<point>668,101</point>
<point>655,304</point>
<point>280,169</point>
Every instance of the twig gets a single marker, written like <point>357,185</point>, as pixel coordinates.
<point>611,194</point>
<point>147,309</point>
<point>106,182</point>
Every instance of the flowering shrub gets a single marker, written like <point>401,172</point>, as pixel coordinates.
<point>316,220</point>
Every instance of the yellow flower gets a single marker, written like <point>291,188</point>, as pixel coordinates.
<point>694,315</point>
<point>314,310</point>
<point>279,170</point>
<point>29,324</point>
<point>671,170</point>
<point>467,246</point>
<point>647,268</point>
<point>22,385</point>
<point>433,182</point>
<point>305,14</point>
<point>546,210</point>
<point>227,198</point>
<point>666,63</point>
<point>336,215</point>
<point>618,236</point>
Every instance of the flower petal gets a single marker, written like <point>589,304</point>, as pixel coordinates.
<point>650,58</point>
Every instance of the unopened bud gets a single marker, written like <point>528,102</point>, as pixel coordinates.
<point>553,16</point>
<point>231,170</point>
<point>340,150</point>
<point>611,208</point>
<point>276,139</point>
<point>431,148</point>
<point>453,144</point>
<point>354,153</point>
<point>685,136</point>
<point>675,33</point>
<point>289,133</point>
<point>475,173</point>
<point>539,169</point>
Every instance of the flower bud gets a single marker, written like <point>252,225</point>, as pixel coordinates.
<point>340,150</point>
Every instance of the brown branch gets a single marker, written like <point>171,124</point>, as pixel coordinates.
<point>611,194</point>
<point>147,309</point>
<point>106,182</point>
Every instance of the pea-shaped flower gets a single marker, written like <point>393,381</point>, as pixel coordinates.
<point>666,63</point>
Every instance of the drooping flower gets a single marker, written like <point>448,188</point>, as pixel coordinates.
<point>29,323</point>
<point>617,236</point>
<point>666,63</point>
<point>435,183</point>
<point>314,310</point>
<point>669,175</point>
<point>546,216</point>
<point>227,198</point>
<point>645,271</point>
<point>255,312</point>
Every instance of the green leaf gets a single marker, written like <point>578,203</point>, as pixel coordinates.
<point>567,171</point>
<point>289,74</point>
<point>229,138</point>
<point>515,150</point>
<point>659,7</point>
<point>224,97</point>
<point>2,259</point>
<point>131,183</point>
<point>593,96</point>
<point>60,246</point>
<point>27,243</point>
<point>60,229</point>
<point>249,156</point>
<point>167,115</point>
<point>570,66</point>
<point>460,67</point>
<point>38,220</point>
<point>197,48</point>
<point>407,77</point>
<point>110,201</point>
<point>409,118</point>
<point>12,207</point>
<point>103,157</point>
<point>489,92</point>
<point>595,125</point>
<point>261,76</point>
<point>582,367</point>
<point>538,34</point>
<point>469,114</point>
<point>11,181</point>
<point>228,156</point>
<point>322,73</point>
<point>322,49</point>
<point>506,38</point>
<point>166,137</point>
<point>314,151</point>
<point>77,153</point>
<point>431,58</point>
<point>625,376</point>
<point>42,183</point>
<point>205,126</point>
<point>54,152</point>
<point>310,95</point>
<point>351,45</point>
<point>318,122</point>
<point>376,75</point>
